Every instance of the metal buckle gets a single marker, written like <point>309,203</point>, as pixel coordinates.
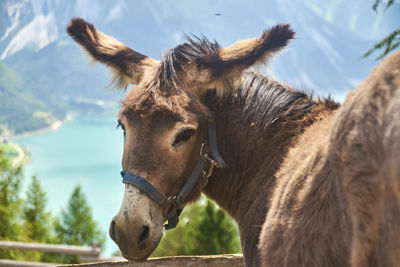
<point>201,148</point>
<point>212,162</point>
<point>207,174</point>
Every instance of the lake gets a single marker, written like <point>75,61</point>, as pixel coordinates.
<point>85,151</point>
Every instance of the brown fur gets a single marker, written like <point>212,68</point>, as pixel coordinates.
<point>126,64</point>
<point>308,184</point>
<point>246,53</point>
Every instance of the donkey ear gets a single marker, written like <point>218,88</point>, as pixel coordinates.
<point>246,53</point>
<point>128,65</point>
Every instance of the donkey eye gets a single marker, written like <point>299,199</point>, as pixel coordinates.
<point>183,136</point>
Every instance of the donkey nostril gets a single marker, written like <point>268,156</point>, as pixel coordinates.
<point>145,233</point>
<point>112,230</point>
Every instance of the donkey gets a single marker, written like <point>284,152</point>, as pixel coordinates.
<point>309,182</point>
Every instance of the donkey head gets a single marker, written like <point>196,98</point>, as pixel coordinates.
<point>164,117</point>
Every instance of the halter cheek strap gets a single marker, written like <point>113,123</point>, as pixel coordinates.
<point>173,206</point>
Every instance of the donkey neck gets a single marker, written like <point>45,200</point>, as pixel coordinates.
<point>256,124</point>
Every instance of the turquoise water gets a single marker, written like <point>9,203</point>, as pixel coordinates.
<point>85,151</point>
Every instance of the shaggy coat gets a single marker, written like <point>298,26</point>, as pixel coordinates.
<point>308,182</point>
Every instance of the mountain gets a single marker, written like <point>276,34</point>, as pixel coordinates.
<point>20,109</point>
<point>325,56</point>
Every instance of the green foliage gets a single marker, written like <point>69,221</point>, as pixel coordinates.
<point>75,226</point>
<point>216,234</point>
<point>203,229</point>
<point>390,42</point>
<point>29,221</point>
<point>9,150</point>
<point>36,218</point>
<point>10,203</point>
<point>36,221</point>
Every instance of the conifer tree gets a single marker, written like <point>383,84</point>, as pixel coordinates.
<point>36,218</point>
<point>75,225</point>
<point>10,203</point>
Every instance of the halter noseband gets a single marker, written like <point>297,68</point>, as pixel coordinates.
<point>173,206</point>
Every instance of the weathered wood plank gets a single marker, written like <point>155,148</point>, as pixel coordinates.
<point>14,263</point>
<point>56,248</point>
<point>228,260</point>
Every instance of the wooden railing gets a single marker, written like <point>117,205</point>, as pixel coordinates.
<point>85,253</point>
<point>227,260</point>
<point>92,254</point>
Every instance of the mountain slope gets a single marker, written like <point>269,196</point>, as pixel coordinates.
<point>21,108</point>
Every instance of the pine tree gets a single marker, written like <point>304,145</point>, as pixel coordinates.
<point>36,218</point>
<point>390,42</point>
<point>10,203</point>
<point>75,226</point>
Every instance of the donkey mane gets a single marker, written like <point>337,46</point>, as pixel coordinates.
<point>173,60</point>
<point>267,102</point>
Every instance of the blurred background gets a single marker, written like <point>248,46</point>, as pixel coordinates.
<point>58,114</point>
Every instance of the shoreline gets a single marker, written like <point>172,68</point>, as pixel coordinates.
<point>23,157</point>
<point>53,127</point>
<point>16,154</point>
<point>105,105</point>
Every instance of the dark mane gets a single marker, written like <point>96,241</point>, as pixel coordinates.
<point>172,60</point>
<point>266,101</point>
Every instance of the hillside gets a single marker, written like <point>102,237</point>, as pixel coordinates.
<point>22,107</point>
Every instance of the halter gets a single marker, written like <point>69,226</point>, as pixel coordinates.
<point>173,206</point>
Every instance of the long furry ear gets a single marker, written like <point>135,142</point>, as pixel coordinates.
<point>246,53</point>
<point>127,64</point>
